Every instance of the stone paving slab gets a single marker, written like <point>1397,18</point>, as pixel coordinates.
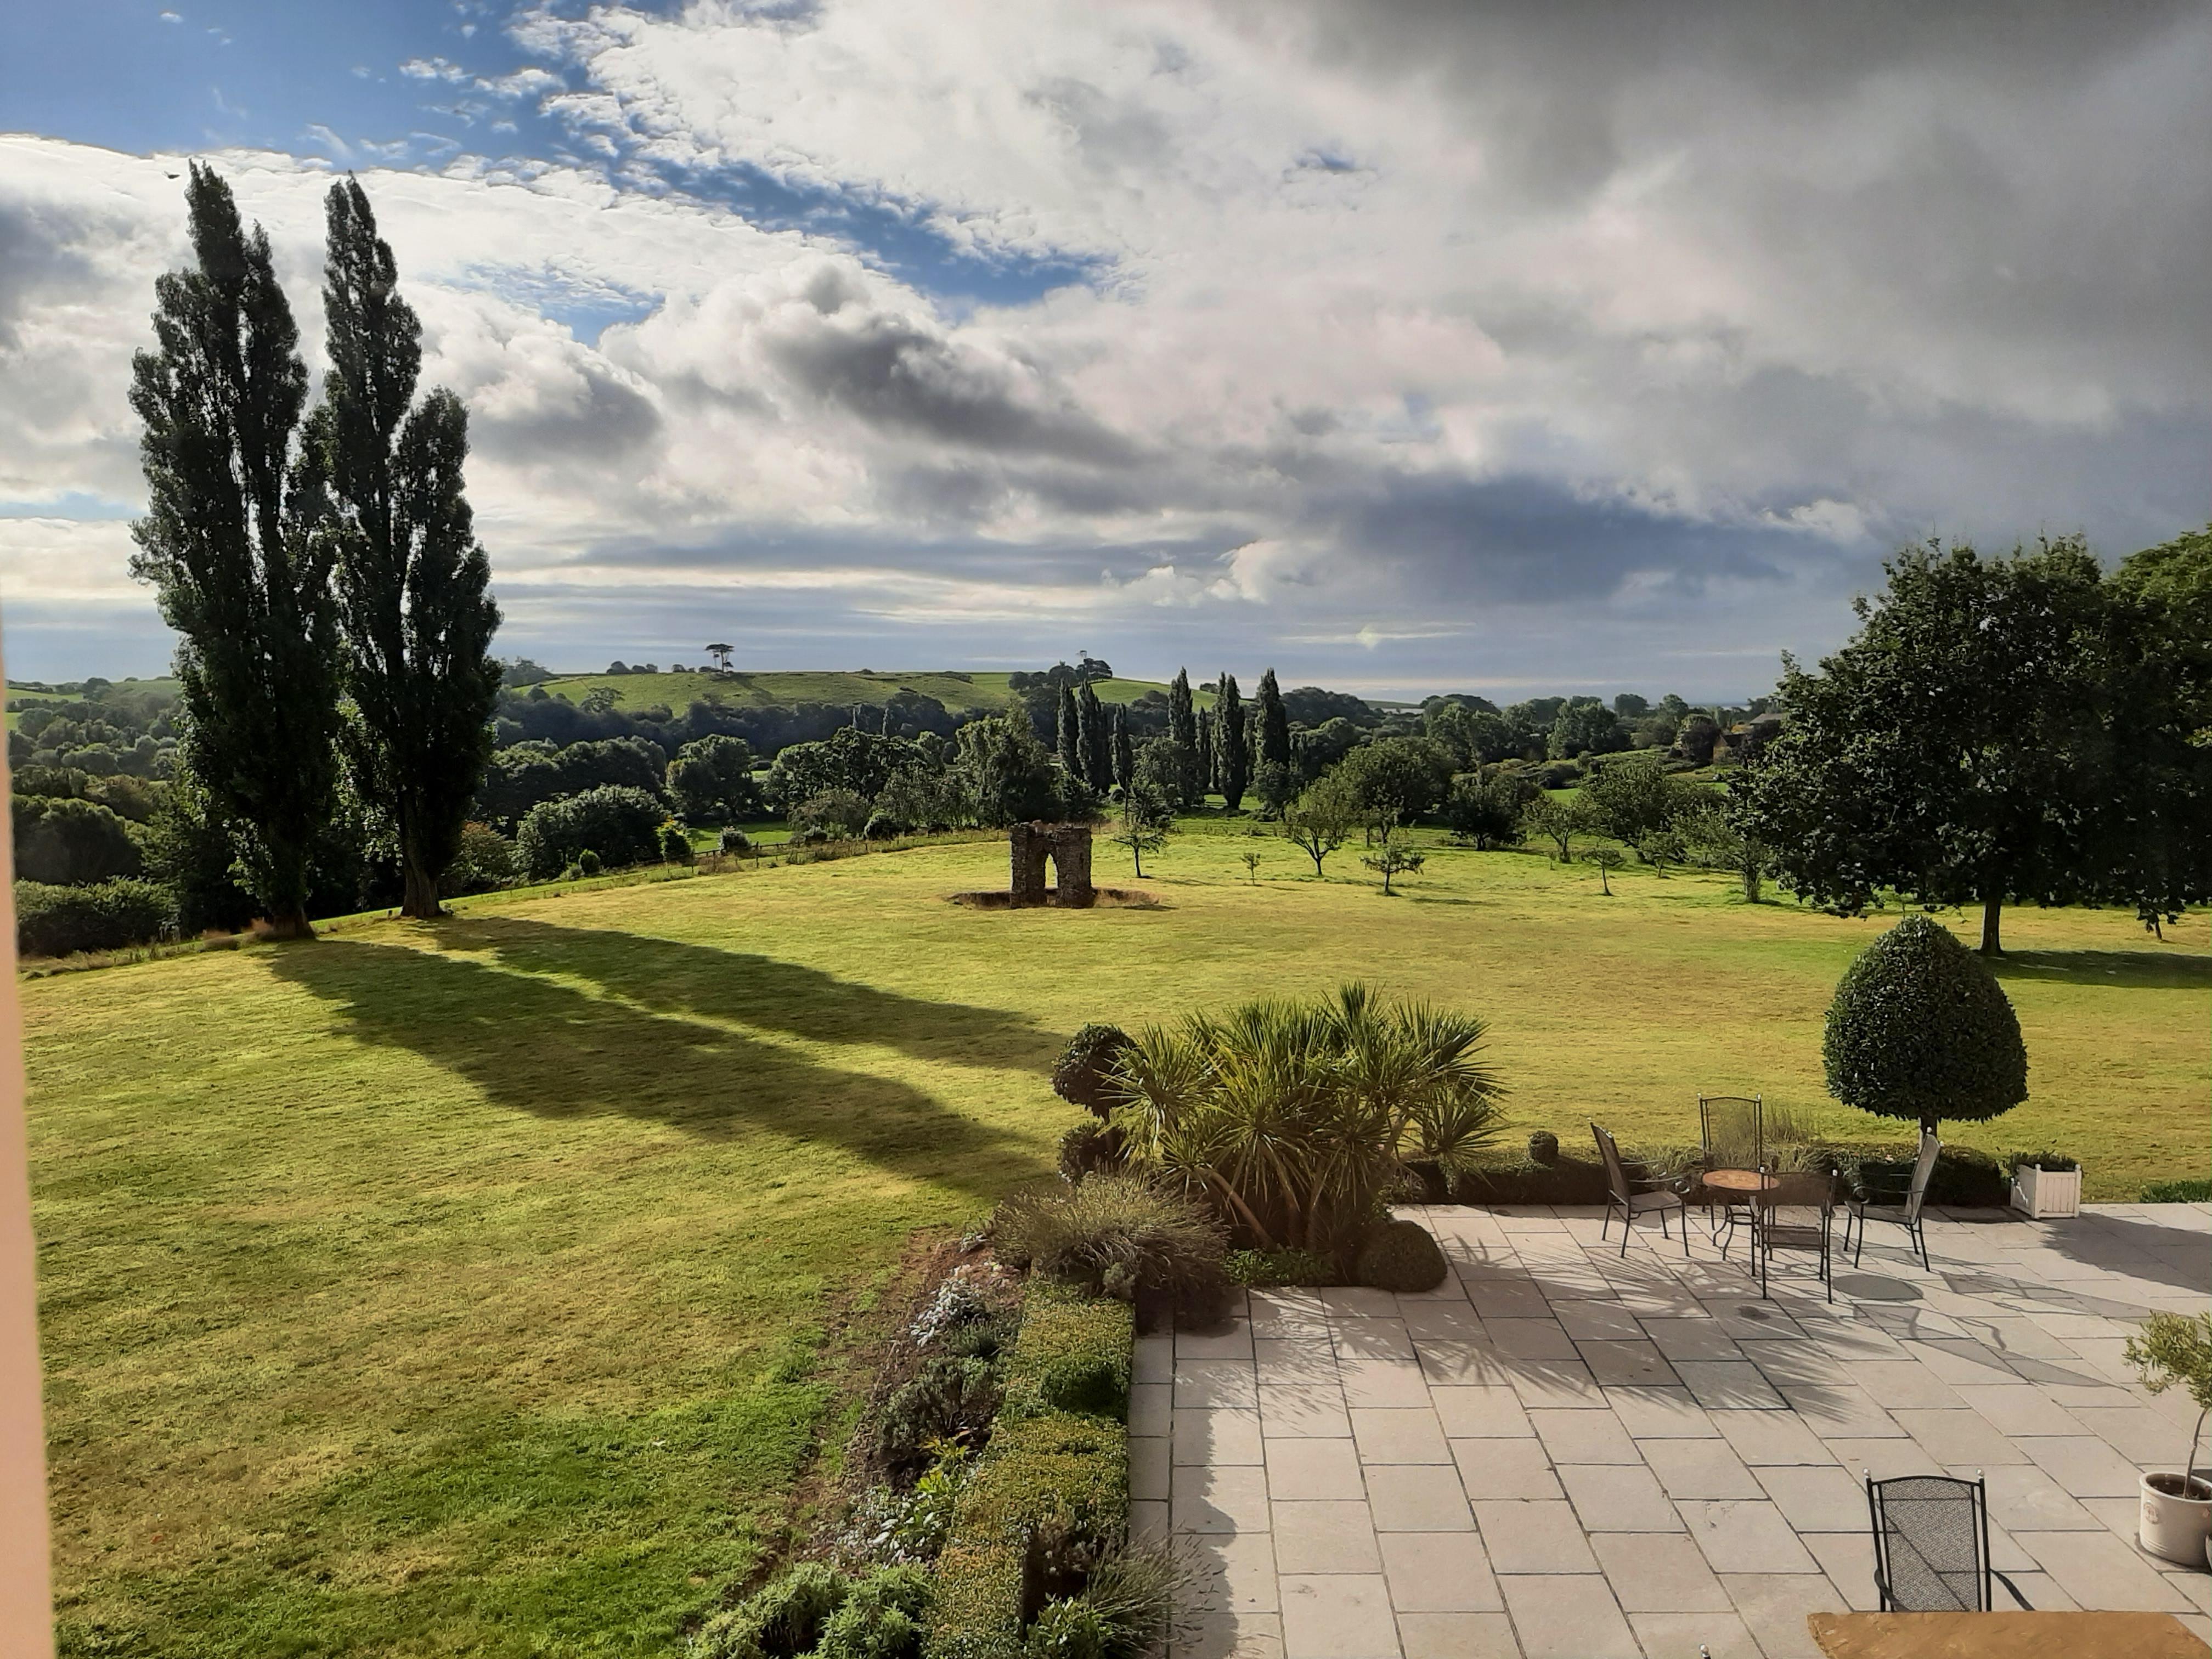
<point>1566,1453</point>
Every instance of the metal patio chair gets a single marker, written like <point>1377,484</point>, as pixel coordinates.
<point>1797,1192</point>
<point>1731,1135</point>
<point>1931,1545</point>
<point>1622,1196</point>
<point>1898,1200</point>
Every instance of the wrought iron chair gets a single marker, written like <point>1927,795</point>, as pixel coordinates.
<point>1899,1201</point>
<point>1731,1135</point>
<point>1622,1196</point>
<point>1797,1192</point>
<point>1931,1545</point>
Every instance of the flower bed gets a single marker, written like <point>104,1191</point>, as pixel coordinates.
<point>1050,1496</point>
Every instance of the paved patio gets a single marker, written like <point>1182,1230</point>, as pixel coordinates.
<point>1563,1454</point>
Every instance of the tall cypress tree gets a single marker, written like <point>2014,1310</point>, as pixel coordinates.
<point>1233,750</point>
<point>1125,751</point>
<point>412,578</point>
<point>1205,759</point>
<point>1071,733</point>
<point>1274,723</point>
<point>1183,729</point>
<point>231,545</point>
<point>1097,741</point>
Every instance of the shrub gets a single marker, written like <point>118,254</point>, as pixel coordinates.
<point>587,863</point>
<point>839,814</point>
<point>1921,1030</point>
<point>950,1400</point>
<point>106,915</point>
<point>1070,1629</point>
<point>675,845</point>
<point>1085,1074</point>
<point>1302,1120</point>
<point>1088,1148</point>
<point>1543,1147</point>
<point>736,840</point>
<point>483,861</point>
<point>1133,1594</point>
<point>1400,1255</point>
<point>2193,1189</point>
<point>1258,1269</point>
<point>1087,1384</point>
<point>780,1622</point>
<point>619,824</point>
<point>881,826</point>
<point>1123,1235</point>
<point>2056,1163</point>
<point>1564,1181</point>
<point>881,1618</point>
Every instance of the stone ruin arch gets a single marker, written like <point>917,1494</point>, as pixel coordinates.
<point>1068,847</point>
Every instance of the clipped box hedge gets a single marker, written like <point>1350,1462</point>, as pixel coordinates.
<point>1050,1479</point>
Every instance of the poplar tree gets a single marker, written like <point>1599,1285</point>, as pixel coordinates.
<point>1125,752</point>
<point>1183,729</point>
<point>1097,740</point>
<point>1274,723</point>
<point>412,578</point>
<point>1233,748</point>
<point>231,542</point>
<point>1204,768</point>
<point>1071,732</point>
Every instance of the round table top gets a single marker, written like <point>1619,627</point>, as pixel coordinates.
<point>1739,1181</point>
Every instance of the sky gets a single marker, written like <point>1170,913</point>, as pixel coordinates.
<point>1512,348</point>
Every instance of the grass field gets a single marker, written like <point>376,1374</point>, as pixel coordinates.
<point>986,691</point>
<point>457,1288</point>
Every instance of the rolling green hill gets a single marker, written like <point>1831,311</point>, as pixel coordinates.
<point>986,691</point>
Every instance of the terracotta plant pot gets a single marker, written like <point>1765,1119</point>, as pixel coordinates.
<point>2176,1521</point>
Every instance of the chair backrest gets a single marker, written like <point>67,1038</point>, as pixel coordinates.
<point>1801,1190</point>
<point>1924,1171</point>
<point>1931,1543</point>
<point>1616,1175</point>
<point>1732,1131</point>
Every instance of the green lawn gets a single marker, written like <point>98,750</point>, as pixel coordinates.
<point>455,1289</point>
<point>955,690</point>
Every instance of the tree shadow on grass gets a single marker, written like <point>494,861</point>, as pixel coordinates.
<point>533,1045</point>
<point>706,982</point>
<point>2148,970</point>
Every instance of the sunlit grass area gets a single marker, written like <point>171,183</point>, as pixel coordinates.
<point>457,1288</point>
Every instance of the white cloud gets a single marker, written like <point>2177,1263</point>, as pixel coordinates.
<point>1420,332</point>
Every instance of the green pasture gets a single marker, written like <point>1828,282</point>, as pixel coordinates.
<point>458,1288</point>
<point>677,692</point>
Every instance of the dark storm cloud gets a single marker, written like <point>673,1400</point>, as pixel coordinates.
<point>903,378</point>
<point>605,421</point>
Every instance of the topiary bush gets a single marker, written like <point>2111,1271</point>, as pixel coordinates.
<point>1543,1147</point>
<point>1088,1148</point>
<point>1088,1384</point>
<point>1400,1255</point>
<point>675,845</point>
<point>1084,1075</point>
<point>1921,1030</point>
<point>735,842</point>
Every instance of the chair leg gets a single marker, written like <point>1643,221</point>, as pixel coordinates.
<point>1920,1238</point>
<point>1686,1234</point>
<point>1860,1251</point>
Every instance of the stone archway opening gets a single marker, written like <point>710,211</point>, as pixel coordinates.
<point>1067,845</point>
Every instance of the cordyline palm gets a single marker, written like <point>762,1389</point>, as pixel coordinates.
<point>1299,1119</point>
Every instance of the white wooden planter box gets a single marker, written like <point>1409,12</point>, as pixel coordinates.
<point>2046,1193</point>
